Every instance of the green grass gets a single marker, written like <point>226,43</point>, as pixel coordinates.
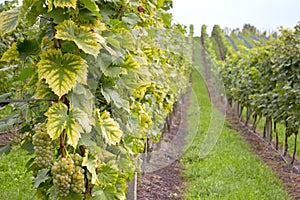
<point>230,171</point>
<point>15,182</point>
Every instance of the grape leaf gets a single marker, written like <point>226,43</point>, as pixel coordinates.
<point>92,6</point>
<point>9,20</point>
<point>82,98</point>
<point>78,122</point>
<point>65,3</point>
<point>73,196</point>
<point>74,123</point>
<point>91,164</point>
<point>41,178</point>
<point>57,119</point>
<point>83,37</point>
<point>108,193</point>
<point>121,186</point>
<point>112,95</point>
<point>43,90</point>
<point>5,150</point>
<point>11,54</point>
<point>61,71</point>
<point>108,174</point>
<point>108,127</point>
<point>131,19</point>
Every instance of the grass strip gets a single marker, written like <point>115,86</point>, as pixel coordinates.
<point>15,181</point>
<point>230,171</point>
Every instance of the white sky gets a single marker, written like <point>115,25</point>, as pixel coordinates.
<point>264,14</point>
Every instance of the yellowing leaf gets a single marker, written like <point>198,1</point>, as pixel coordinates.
<point>65,3</point>
<point>77,123</point>
<point>61,71</point>
<point>91,164</point>
<point>83,37</point>
<point>108,127</point>
<point>57,119</point>
<point>50,5</point>
<point>74,123</point>
<point>9,20</point>
<point>11,54</point>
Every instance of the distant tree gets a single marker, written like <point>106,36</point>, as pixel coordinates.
<point>191,30</point>
<point>168,4</point>
<point>250,29</point>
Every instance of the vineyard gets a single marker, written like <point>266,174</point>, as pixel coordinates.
<point>111,100</point>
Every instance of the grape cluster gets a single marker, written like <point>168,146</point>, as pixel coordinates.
<point>77,159</point>
<point>68,175</point>
<point>77,183</point>
<point>42,147</point>
<point>62,175</point>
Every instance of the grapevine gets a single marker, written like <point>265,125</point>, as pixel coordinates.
<point>263,80</point>
<point>95,85</point>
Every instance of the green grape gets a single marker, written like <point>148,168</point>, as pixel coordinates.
<point>77,159</point>
<point>62,171</point>
<point>77,183</point>
<point>42,147</point>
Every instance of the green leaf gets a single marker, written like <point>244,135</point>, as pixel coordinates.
<point>108,193</point>
<point>9,20</point>
<point>92,6</point>
<point>127,41</point>
<point>82,98</point>
<point>65,3</point>
<point>57,119</point>
<point>87,141</point>
<point>112,95</point>
<point>108,127</point>
<point>58,15</point>
<point>28,48</point>
<point>5,96</point>
<point>35,9</point>
<point>109,176</point>
<point>84,37</point>
<point>121,186</point>
<point>5,150</point>
<point>43,90</point>
<point>131,18</point>
<point>73,196</point>
<point>91,164</point>
<point>61,71</point>
<point>26,73</point>
<point>11,54</point>
<point>41,178</point>
<point>160,3</point>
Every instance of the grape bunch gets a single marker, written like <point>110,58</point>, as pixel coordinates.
<point>42,147</point>
<point>77,183</point>
<point>63,170</point>
<point>77,159</point>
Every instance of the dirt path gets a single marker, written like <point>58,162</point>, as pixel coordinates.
<point>167,183</point>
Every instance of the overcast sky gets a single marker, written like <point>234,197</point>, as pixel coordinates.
<point>264,14</point>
